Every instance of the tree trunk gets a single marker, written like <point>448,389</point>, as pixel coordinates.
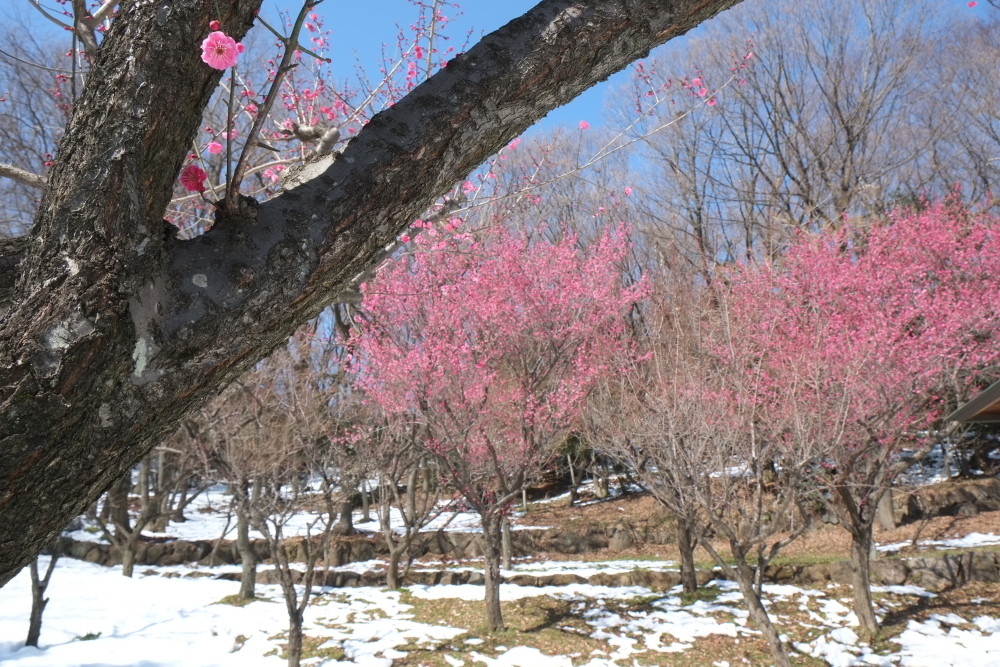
<point>392,570</point>
<point>685,544</point>
<point>128,553</point>
<point>118,502</point>
<point>885,516</point>
<point>115,331</point>
<point>758,614</point>
<point>861,548</point>
<point>248,559</point>
<point>38,599</point>
<point>507,544</point>
<point>365,504</point>
<point>491,572</point>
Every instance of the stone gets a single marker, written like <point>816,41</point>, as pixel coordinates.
<point>80,549</point>
<point>94,556</point>
<point>815,573</point>
<point>841,571</point>
<point>621,541</point>
<point>981,566</point>
<point>889,572</point>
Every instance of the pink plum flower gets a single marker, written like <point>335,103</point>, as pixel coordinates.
<point>972,3</point>
<point>696,82</point>
<point>219,50</point>
<point>193,178</point>
<point>584,125</point>
<point>711,102</point>
<point>702,92</point>
<point>214,25</point>
<point>628,190</point>
<point>404,238</point>
<point>214,147</point>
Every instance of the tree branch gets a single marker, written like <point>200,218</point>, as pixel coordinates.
<point>21,175</point>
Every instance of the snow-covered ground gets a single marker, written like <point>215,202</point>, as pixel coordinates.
<point>98,618</point>
<point>966,542</point>
<point>209,518</point>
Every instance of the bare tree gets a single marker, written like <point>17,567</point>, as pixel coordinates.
<point>38,599</point>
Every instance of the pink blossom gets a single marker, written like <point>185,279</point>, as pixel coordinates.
<point>404,238</point>
<point>214,25</point>
<point>972,3</point>
<point>219,50</point>
<point>628,190</point>
<point>702,92</point>
<point>512,145</point>
<point>193,178</point>
<point>711,102</point>
<point>696,82</point>
<point>584,125</point>
<point>214,147</point>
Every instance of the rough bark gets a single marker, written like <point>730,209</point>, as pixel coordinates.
<point>115,331</point>
<point>685,545</point>
<point>491,572</point>
<point>38,599</point>
<point>758,614</point>
<point>248,559</point>
<point>861,549</point>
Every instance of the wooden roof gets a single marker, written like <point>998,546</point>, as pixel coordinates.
<point>983,408</point>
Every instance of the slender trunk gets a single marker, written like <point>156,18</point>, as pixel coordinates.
<point>573,493</point>
<point>884,514</point>
<point>128,552</point>
<point>411,497</point>
<point>294,639</point>
<point>861,548</point>
<point>118,501</point>
<point>365,505</point>
<point>177,515</point>
<point>294,650</point>
<point>38,599</point>
<point>524,500</point>
<point>248,578</point>
<point>491,567</point>
<point>758,614</point>
<point>392,570</point>
<point>506,543</point>
<point>685,544</point>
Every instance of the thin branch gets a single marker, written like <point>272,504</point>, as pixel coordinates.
<point>22,176</point>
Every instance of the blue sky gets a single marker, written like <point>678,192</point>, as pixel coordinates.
<point>359,28</point>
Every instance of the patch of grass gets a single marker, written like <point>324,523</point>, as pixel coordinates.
<point>236,601</point>
<point>90,636</point>
<point>703,593</point>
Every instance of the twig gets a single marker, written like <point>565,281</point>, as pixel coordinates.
<point>22,176</point>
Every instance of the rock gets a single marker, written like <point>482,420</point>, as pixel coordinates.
<point>815,573</point>
<point>967,509</point>
<point>889,572</point>
<point>80,549</point>
<point>841,571</point>
<point>95,555</point>
<point>657,580</point>
<point>523,580</point>
<point>154,552</point>
<point>981,566</point>
<point>476,578</point>
<point>562,579</point>
<point>621,541</point>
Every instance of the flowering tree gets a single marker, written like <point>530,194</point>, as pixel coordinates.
<point>114,330</point>
<point>491,347</point>
<point>869,336</point>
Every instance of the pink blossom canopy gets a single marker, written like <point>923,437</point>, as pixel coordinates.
<point>219,50</point>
